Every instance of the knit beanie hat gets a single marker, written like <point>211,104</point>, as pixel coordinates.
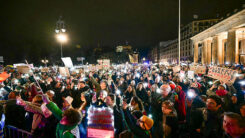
<point>172,86</point>
<point>223,85</point>
<point>180,88</point>
<point>148,122</point>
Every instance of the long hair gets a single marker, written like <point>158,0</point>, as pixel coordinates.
<point>138,101</point>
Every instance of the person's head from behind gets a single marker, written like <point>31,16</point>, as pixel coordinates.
<point>11,96</point>
<point>71,117</point>
<point>233,124</point>
<point>213,103</point>
<point>167,107</point>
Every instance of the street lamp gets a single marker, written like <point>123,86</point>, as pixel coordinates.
<point>60,31</point>
<point>179,31</point>
<point>44,61</point>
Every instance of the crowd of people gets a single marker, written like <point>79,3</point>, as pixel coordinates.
<point>148,101</point>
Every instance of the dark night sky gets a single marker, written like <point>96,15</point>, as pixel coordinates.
<point>27,26</point>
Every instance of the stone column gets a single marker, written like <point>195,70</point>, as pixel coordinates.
<point>242,57</point>
<point>203,60</point>
<point>204,51</point>
<point>220,50</point>
<point>215,50</point>
<point>196,52</point>
<point>208,51</point>
<point>231,45</point>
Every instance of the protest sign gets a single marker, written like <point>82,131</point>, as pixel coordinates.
<point>64,71</point>
<point>100,120</point>
<point>190,74</point>
<point>23,69</point>
<point>23,64</point>
<point>222,74</point>
<point>176,69</point>
<point>92,68</point>
<point>67,61</point>
<point>99,133</point>
<point>3,76</point>
<point>44,69</point>
<point>198,69</point>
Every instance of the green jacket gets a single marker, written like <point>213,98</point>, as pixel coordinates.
<point>62,131</point>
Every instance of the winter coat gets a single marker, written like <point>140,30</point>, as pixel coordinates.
<point>210,123</point>
<point>167,127</point>
<point>181,110</point>
<point>117,121</point>
<point>137,131</point>
<point>15,114</point>
<point>142,94</point>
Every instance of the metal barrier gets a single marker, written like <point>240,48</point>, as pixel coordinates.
<point>13,132</point>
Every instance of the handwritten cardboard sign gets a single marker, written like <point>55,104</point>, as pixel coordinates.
<point>223,74</point>
<point>190,74</point>
<point>99,133</point>
<point>23,69</point>
<point>64,71</point>
<point>198,69</point>
<point>176,69</point>
<point>44,69</point>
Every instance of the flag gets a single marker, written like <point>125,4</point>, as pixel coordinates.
<point>3,76</point>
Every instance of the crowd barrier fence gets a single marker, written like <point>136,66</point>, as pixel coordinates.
<point>13,132</point>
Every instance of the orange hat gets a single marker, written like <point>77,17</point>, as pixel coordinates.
<point>148,122</point>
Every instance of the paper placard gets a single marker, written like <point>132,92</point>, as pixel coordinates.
<point>222,74</point>
<point>23,69</point>
<point>64,71</point>
<point>67,61</point>
<point>190,74</point>
<point>44,69</point>
<point>99,133</point>
<point>100,118</point>
<point>198,69</point>
<point>23,64</point>
<point>176,69</point>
